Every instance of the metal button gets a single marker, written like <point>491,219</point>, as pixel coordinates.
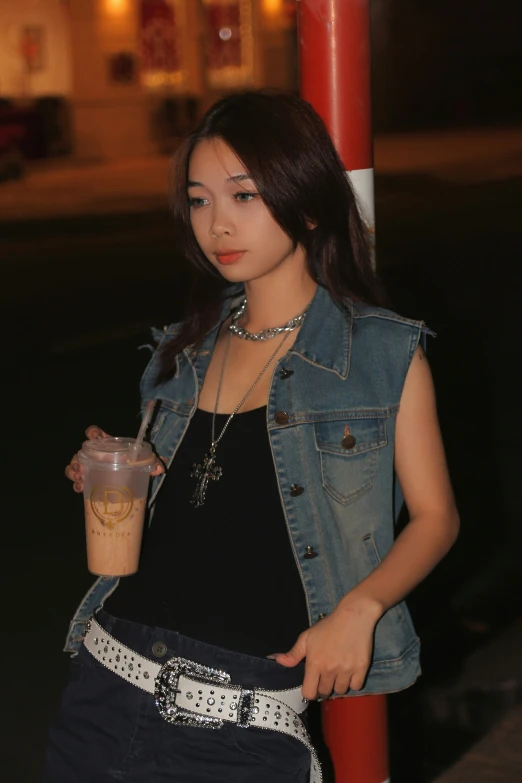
<point>309,553</point>
<point>296,490</point>
<point>281,417</point>
<point>348,442</point>
<point>159,649</point>
<point>321,616</point>
<point>284,373</point>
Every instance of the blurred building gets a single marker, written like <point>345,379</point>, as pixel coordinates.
<point>135,74</point>
<point>116,78</point>
<point>35,48</point>
<point>35,78</point>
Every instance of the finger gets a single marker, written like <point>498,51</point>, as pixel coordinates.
<point>95,433</point>
<point>78,471</point>
<point>325,686</point>
<point>310,683</point>
<point>74,471</point>
<point>295,655</point>
<point>158,470</point>
<point>78,486</point>
<point>357,680</point>
<point>341,685</point>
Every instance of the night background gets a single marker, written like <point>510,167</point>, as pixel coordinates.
<point>94,96</point>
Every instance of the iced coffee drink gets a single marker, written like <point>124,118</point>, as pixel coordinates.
<point>113,540</point>
<point>115,500</point>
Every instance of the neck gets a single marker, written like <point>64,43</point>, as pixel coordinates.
<point>273,302</point>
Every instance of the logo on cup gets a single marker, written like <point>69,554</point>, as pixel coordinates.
<point>111,504</point>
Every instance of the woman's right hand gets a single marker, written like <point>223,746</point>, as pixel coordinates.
<point>74,471</point>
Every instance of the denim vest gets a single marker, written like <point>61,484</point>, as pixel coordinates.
<point>342,377</point>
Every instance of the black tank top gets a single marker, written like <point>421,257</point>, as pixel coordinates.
<point>223,573</point>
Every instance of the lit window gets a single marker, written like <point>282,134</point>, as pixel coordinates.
<point>160,44</point>
<point>229,46</point>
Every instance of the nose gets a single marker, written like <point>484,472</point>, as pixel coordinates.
<point>220,224</point>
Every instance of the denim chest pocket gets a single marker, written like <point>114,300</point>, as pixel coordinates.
<point>349,450</point>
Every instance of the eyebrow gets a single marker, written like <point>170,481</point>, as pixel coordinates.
<point>235,178</point>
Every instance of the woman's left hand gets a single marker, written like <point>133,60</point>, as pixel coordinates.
<point>337,649</point>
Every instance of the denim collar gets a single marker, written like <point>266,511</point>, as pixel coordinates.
<point>324,339</point>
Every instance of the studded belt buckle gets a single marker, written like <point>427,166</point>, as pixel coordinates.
<point>166,688</point>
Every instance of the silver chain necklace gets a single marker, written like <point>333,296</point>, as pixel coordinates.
<point>265,334</point>
<point>208,470</point>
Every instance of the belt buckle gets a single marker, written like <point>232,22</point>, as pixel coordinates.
<point>166,688</point>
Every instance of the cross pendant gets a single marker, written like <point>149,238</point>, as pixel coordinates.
<point>204,473</point>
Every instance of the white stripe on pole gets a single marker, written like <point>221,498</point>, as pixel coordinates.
<point>362,183</point>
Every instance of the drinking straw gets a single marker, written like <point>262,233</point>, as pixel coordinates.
<point>141,434</point>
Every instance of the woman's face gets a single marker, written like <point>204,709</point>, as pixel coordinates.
<point>231,223</point>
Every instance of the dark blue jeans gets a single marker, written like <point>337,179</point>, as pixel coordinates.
<point>107,729</point>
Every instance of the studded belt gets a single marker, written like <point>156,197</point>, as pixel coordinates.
<point>190,694</point>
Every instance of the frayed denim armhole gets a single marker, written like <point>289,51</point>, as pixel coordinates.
<point>418,336</point>
<point>425,333</point>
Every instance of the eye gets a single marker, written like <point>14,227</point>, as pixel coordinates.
<point>197,202</point>
<point>245,196</point>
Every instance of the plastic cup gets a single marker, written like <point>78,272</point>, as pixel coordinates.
<point>115,500</point>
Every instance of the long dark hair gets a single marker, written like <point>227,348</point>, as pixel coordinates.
<point>286,149</point>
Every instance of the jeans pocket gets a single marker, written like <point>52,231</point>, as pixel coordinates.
<point>271,749</point>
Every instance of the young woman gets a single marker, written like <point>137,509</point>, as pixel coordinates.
<point>293,414</point>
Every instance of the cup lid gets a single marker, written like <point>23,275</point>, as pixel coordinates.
<point>115,451</point>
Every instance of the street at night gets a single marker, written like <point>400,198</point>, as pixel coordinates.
<point>142,141</point>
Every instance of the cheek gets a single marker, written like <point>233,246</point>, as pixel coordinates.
<point>198,227</point>
<point>271,231</point>
<point>276,240</point>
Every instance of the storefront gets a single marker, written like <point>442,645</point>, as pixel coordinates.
<point>157,64</point>
<point>137,73</point>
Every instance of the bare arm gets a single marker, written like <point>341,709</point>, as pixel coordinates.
<point>423,475</point>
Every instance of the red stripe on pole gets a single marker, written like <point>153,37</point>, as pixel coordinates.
<point>335,65</point>
<point>356,732</point>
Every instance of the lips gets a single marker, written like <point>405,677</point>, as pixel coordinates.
<point>230,257</point>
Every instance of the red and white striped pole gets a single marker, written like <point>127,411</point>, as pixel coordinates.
<point>335,73</point>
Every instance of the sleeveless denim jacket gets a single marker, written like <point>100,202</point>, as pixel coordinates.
<point>331,416</point>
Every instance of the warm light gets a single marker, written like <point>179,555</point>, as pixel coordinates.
<point>225,33</point>
<point>116,7</point>
<point>155,79</point>
<point>272,7</point>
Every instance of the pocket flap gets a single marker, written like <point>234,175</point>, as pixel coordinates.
<point>334,436</point>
